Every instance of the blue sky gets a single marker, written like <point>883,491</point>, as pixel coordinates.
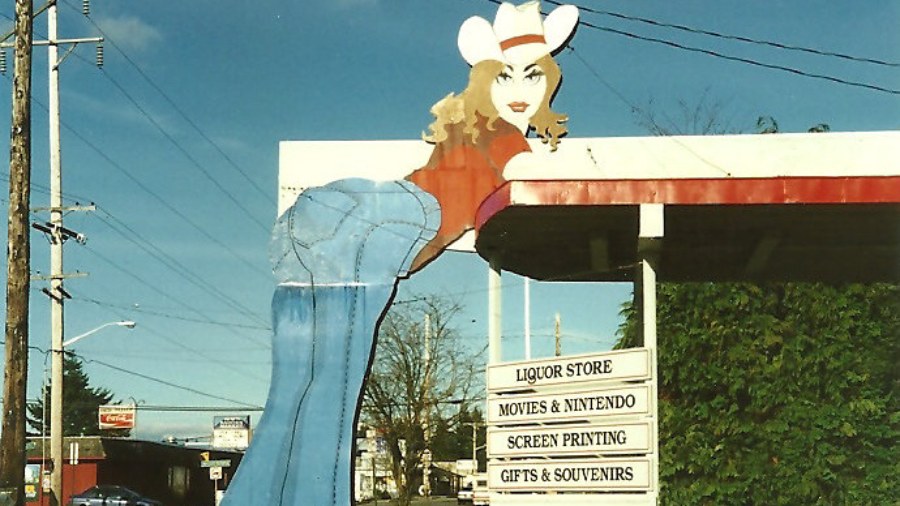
<point>189,175</point>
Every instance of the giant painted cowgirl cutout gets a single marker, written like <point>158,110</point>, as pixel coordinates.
<point>340,250</point>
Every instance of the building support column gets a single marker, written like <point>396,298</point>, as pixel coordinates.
<point>495,313</point>
<point>650,237</point>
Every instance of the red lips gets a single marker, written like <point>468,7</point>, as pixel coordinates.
<point>518,106</point>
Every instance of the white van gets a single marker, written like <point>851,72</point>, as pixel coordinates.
<point>474,490</point>
<point>480,495</point>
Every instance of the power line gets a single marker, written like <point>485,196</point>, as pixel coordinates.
<point>193,161</point>
<point>164,382</point>
<point>738,59</point>
<point>197,353</point>
<point>738,38</point>
<point>147,377</point>
<point>177,109</point>
<point>195,409</point>
<point>39,188</point>
<point>178,146</point>
<point>634,108</point>
<point>202,231</point>
<point>134,309</point>
<point>169,357</point>
<point>173,264</point>
<point>150,192</point>
<point>166,204</point>
<point>229,367</point>
<point>165,294</point>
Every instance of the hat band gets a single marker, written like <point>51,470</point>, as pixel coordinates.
<point>520,40</point>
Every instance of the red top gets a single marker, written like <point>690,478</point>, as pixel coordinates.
<point>460,174</point>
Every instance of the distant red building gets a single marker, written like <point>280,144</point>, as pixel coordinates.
<point>167,472</point>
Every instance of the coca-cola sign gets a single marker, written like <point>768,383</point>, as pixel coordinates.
<point>117,417</point>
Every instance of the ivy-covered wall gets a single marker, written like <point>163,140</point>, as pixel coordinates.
<point>777,394</point>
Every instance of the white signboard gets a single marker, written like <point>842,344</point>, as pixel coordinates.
<point>589,475</point>
<point>117,416</point>
<point>231,432</point>
<point>621,401</point>
<point>466,466</point>
<point>623,365</point>
<point>631,438</point>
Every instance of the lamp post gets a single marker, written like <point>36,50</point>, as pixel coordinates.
<point>56,406</point>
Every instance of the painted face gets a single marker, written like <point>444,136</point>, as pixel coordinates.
<point>517,93</point>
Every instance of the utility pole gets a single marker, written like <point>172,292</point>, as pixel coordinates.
<point>58,236</point>
<point>57,329</point>
<point>426,454</point>
<point>527,318</point>
<point>474,443</point>
<point>558,338</point>
<point>18,266</point>
<point>57,233</point>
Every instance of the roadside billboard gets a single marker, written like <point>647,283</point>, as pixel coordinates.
<point>117,416</point>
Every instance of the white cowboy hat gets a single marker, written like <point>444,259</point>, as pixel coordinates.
<point>518,35</point>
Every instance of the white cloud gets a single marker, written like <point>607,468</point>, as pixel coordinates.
<point>129,32</point>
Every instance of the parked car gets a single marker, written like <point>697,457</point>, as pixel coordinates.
<point>111,495</point>
<point>464,496</point>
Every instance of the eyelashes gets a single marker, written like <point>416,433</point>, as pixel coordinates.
<point>531,77</point>
<point>534,76</point>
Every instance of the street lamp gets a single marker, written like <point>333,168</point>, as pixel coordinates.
<point>125,323</point>
<point>56,406</point>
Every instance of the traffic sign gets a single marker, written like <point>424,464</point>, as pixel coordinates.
<point>215,473</point>
<point>621,365</point>
<point>216,463</point>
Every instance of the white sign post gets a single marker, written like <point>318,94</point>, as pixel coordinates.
<point>584,475</point>
<point>564,440</point>
<point>578,405</point>
<point>623,365</point>
<point>573,430</point>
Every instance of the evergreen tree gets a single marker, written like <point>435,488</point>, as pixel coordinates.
<point>777,393</point>
<point>453,437</point>
<point>80,405</point>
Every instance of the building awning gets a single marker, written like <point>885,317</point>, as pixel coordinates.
<point>783,228</point>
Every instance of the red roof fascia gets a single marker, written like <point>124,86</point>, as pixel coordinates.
<point>730,191</point>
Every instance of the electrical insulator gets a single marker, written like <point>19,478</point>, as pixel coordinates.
<point>3,61</point>
<point>100,55</point>
<point>86,7</point>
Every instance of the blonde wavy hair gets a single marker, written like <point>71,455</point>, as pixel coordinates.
<point>476,98</point>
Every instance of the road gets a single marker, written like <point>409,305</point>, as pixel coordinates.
<point>418,501</point>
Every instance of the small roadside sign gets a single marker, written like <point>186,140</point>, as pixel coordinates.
<point>215,473</point>
<point>117,417</point>
<point>216,463</point>
<point>231,432</point>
